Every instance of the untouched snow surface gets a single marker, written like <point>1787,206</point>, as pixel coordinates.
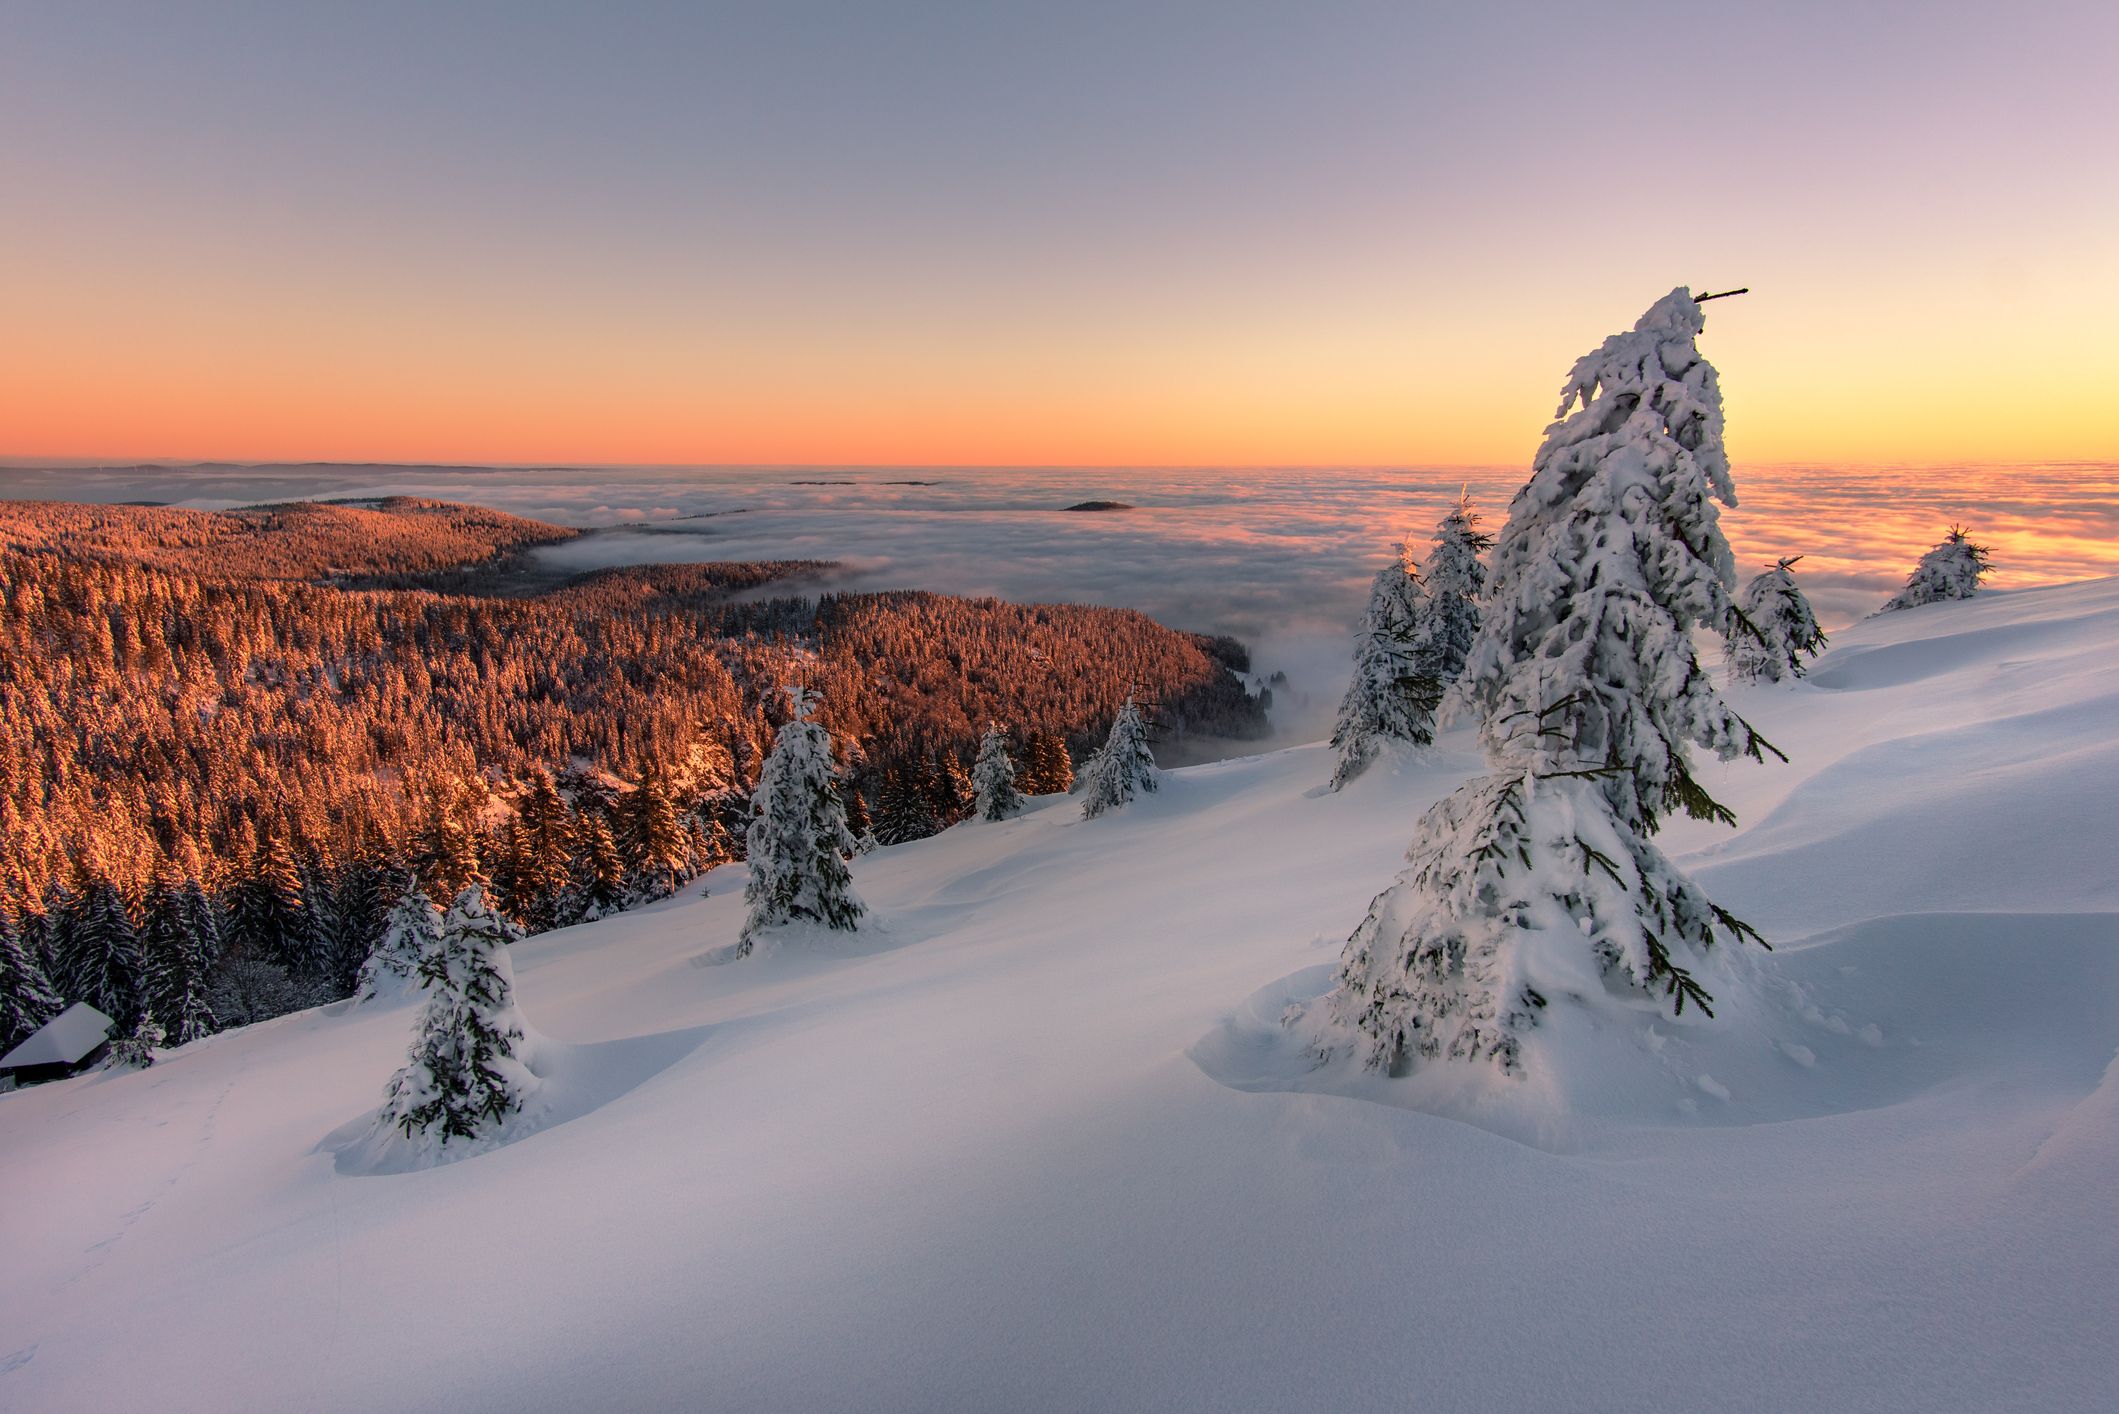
<point>1027,1140</point>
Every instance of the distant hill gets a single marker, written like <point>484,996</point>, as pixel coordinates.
<point>303,540</point>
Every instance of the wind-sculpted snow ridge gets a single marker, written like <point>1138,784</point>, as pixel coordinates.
<point>986,1150</point>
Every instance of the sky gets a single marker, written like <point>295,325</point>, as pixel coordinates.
<point>1223,233</point>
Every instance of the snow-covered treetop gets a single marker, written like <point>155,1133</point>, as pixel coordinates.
<point>1394,594</point>
<point>1952,570</point>
<point>1612,554</point>
<point>1657,363</point>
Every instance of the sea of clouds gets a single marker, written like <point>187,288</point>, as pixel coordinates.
<point>1280,558</point>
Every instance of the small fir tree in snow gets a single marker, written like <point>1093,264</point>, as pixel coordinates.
<point>27,1000</point>
<point>468,1069</point>
<point>993,778</point>
<point>1777,629</point>
<point>1591,694</point>
<point>1123,768</point>
<point>135,1047</point>
<point>410,933</point>
<point>1411,646</point>
<point>1952,570</point>
<point>1395,688</point>
<point>1454,579</point>
<point>798,841</point>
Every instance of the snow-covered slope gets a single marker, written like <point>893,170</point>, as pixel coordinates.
<point>1000,1150</point>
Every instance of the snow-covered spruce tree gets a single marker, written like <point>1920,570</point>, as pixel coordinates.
<point>1454,579</point>
<point>993,778</point>
<point>1122,768</point>
<point>1777,629</point>
<point>1411,646</point>
<point>468,1069</point>
<point>1525,882</point>
<point>1393,693</point>
<point>135,1045</point>
<point>1952,570</point>
<point>798,841</point>
<point>27,1000</point>
<point>410,933</point>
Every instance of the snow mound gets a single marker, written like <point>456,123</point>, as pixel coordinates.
<point>1871,1015</point>
<point>572,1081</point>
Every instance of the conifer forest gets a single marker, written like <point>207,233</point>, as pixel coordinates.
<point>272,717</point>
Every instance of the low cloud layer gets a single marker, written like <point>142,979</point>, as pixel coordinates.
<point>1280,559</point>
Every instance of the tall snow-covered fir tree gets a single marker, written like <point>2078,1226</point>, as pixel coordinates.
<point>1411,645</point>
<point>993,778</point>
<point>410,932</point>
<point>27,1000</point>
<point>468,1069</point>
<point>1393,693</point>
<point>798,841</point>
<point>1524,881</point>
<point>1124,767</point>
<point>1454,579</point>
<point>1777,631</point>
<point>1952,570</point>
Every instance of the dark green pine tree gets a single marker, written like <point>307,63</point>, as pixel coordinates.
<point>542,857</point>
<point>48,938</point>
<point>361,895</point>
<point>106,954</point>
<point>949,789</point>
<point>270,919</point>
<point>903,810</point>
<point>652,839</point>
<point>174,963</point>
<point>1047,768</point>
<point>447,854</point>
<point>857,821</point>
<point>27,1000</point>
<point>596,883</point>
<point>205,922</point>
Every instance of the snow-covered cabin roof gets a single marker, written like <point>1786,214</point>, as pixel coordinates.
<point>63,1040</point>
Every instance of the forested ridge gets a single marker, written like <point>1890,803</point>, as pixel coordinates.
<point>220,707</point>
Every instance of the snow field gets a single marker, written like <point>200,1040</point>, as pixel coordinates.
<point>1028,1141</point>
